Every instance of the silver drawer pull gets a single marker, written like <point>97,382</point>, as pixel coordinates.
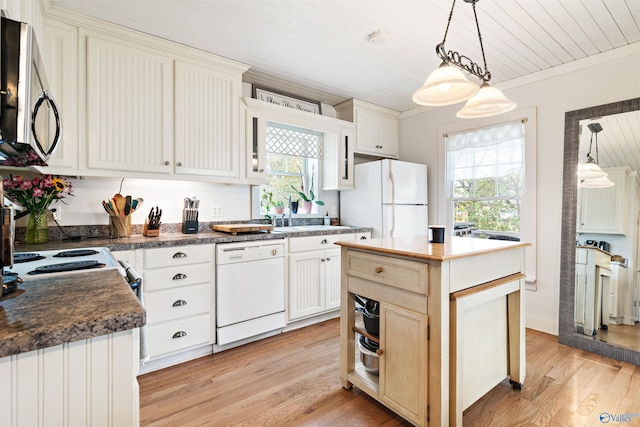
<point>179,303</point>
<point>179,276</point>
<point>324,242</point>
<point>179,255</point>
<point>179,334</point>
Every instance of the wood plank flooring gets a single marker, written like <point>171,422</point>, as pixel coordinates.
<point>293,380</point>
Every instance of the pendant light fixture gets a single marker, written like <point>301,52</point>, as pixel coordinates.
<point>590,174</point>
<point>448,85</point>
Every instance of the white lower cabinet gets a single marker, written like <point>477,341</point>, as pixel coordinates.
<point>89,382</point>
<point>314,275</point>
<point>179,292</point>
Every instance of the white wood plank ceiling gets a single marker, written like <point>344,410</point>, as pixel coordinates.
<point>319,49</point>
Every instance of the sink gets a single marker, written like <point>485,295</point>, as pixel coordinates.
<point>307,228</point>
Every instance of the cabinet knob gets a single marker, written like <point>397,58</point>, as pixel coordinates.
<point>379,270</point>
<point>179,303</point>
<point>261,170</point>
<point>179,255</point>
<point>179,164</point>
<point>166,163</point>
<point>274,252</point>
<point>379,352</point>
<point>179,276</point>
<point>179,334</point>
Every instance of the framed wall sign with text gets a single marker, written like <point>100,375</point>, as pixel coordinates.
<point>283,100</point>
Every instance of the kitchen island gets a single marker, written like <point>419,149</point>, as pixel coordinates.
<point>69,351</point>
<point>451,322</point>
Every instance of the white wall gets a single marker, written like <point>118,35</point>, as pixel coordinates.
<point>585,83</point>
<point>85,206</point>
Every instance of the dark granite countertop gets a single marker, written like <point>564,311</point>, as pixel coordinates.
<point>45,312</point>
<point>179,239</point>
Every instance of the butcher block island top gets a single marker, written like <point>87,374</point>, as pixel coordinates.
<point>451,322</point>
<point>420,247</point>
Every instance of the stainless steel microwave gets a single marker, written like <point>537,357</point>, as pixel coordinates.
<point>30,127</point>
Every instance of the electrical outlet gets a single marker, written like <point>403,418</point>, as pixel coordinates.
<point>216,211</point>
<point>334,211</point>
<point>57,215</point>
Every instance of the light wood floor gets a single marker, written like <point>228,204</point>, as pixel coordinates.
<point>627,336</point>
<point>293,380</point>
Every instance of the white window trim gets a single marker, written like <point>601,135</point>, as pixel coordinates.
<point>528,222</point>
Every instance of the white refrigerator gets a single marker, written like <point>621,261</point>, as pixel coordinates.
<point>390,196</point>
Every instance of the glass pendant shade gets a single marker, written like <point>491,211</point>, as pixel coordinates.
<point>445,86</point>
<point>488,102</point>
<point>602,182</point>
<point>590,170</point>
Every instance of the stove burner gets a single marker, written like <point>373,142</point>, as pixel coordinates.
<point>67,266</point>
<point>75,253</point>
<point>26,257</point>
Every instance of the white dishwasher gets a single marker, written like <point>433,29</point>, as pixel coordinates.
<point>250,291</point>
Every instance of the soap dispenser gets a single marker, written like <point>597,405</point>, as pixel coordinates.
<point>327,221</point>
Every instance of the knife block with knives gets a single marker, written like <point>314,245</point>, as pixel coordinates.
<point>190,216</point>
<point>152,223</point>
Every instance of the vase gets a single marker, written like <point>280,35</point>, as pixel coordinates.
<point>37,228</point>
<point>305,207</point>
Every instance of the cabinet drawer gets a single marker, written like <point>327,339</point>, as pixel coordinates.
<point>180,255</point>
<point>167,278</point>
<point>179,335</point>
<point>313,243</point>
<point>408,275</point>
<point>174,303</point>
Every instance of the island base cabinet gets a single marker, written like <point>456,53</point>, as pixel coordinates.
<point>403,362</point>
<point>89,382</point>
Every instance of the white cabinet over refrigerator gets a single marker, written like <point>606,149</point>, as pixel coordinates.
<point>390,196</point>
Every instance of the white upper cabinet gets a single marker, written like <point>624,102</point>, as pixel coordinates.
<point>377,128</point>
<point>206,120</point>
<point>604,210</point>
<point>338,160</point>
<point>60,55</point>
<point>255,137</point>
<point>129,120</point>
<point>140,106</point>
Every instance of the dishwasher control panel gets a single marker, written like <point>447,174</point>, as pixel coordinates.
<point>244,252</point>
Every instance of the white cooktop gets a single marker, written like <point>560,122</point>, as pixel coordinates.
<point>95,255</point>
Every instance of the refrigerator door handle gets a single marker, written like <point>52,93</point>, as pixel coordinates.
<point>393,221</point>
<point>393,183</point>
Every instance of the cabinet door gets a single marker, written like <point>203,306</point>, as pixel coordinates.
<point>367,133</point>
<point>332,276</point>
<point>61,60</point>
<point>206,121</point>
<point>388,136</point>
<point>603,210</point>
<point>403,362</point>
<point>306,284</point>
<point>338,160</point>
<point>129,107</point>
<point>255,146</point>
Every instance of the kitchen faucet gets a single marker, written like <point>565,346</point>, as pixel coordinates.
<point>289,213</point>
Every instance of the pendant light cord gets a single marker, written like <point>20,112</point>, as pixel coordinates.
<point>484,60</point>
<point>444,39</point>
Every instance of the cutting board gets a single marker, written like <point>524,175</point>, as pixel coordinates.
<point>242,228</point>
